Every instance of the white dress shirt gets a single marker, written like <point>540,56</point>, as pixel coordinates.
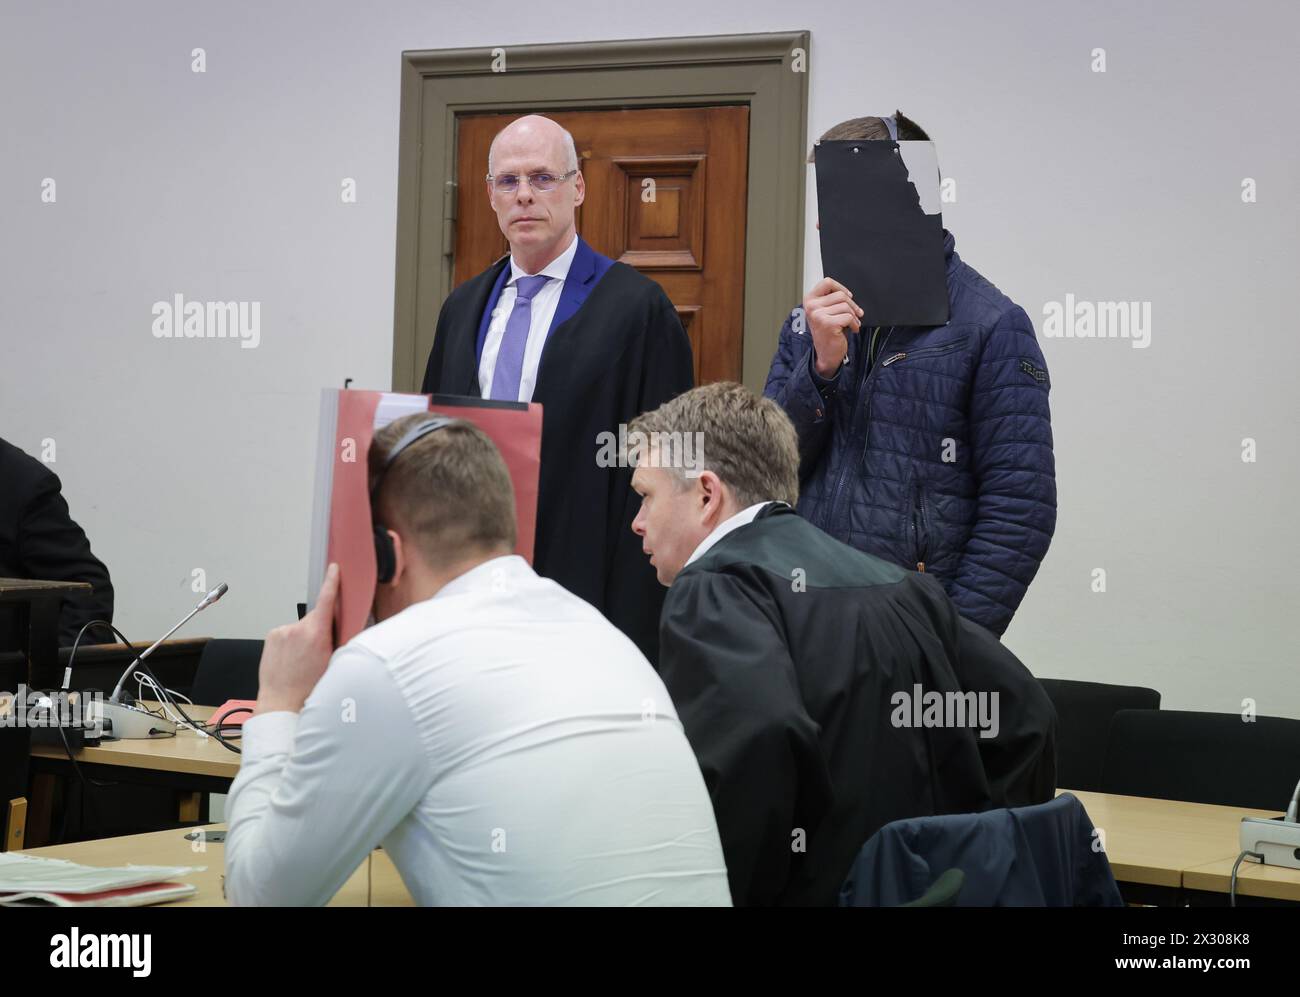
<point>506,745</point>
<point>742,518</point>
<point>544,304</point>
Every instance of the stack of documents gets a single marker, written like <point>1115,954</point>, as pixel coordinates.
<point>33,881</point>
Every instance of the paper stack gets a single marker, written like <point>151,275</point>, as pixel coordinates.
<point>35,881</point>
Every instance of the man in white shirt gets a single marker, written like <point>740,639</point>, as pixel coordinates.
<point>501,740</point>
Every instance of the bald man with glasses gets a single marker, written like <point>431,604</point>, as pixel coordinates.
<point>592,341</point>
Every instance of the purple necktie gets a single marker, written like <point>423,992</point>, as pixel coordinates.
<point>510,356</point>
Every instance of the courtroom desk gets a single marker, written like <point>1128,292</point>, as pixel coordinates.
<point>189,763</point>
<point>172,848</point>
<point>1153,844</point>
<point>1153,841</point>
<point>188,752</point>
<point>1267,882</point>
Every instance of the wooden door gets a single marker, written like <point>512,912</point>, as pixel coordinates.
<point>666,194</point>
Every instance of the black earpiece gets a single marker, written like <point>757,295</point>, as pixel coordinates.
<point>385,556</point>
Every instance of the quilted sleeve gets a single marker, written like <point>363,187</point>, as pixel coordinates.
<point>1011,443</point>
<point>792,384</point>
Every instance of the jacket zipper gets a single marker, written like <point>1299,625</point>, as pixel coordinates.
<point>865,421</point>
<point>921,527</point>
<point>933,351</point>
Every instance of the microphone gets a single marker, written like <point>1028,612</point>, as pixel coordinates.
<point>209,599</point>
<point>130,722</point>
<point>204,603</point>
<point>1291,811</point>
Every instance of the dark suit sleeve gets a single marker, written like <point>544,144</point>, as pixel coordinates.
<point>726,666</point>
<point>52,547</point>
<point>433,368</point>
<point>668,366</point>
<point>633,596</point>
<point>1020,762</point>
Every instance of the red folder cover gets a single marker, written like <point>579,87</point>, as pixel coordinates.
<point>349,419</point>
<point>128,896</point>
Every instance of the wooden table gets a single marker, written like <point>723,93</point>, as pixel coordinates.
<point>172,848</point>
<point>1182,850</point>
<point>188,752</point>
<point>1270,882</point>
<point>189,763</point>
<point>1177,847</point>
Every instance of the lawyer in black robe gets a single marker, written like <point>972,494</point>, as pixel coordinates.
<point>40,540</point>
<point>787,655</point>
<point>616,348</point>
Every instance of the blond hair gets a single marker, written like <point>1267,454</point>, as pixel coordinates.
<point>746,440</point>
<point>449,492</point>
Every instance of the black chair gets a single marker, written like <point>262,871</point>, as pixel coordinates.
<point>227,669</point>
<point>1203,758</point>
<point>1084,711</point>
<point>15,750</point>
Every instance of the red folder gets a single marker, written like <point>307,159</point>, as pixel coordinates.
<point>349,419</point>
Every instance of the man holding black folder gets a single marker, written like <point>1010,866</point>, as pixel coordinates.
<point>917,388</point>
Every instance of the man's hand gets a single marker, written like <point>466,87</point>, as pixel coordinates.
<point>830,310</point>
<point>295,656</point>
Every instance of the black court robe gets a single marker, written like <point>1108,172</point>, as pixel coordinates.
<point>784,651</point>
<point>623,352</point>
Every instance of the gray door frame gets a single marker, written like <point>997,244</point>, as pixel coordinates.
<point>767,72</point>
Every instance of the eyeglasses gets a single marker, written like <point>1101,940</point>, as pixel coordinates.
<point>508,183</point>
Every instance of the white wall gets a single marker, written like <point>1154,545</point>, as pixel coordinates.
<point>178,455</point>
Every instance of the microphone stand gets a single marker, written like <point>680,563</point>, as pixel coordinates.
<point>130,722</point>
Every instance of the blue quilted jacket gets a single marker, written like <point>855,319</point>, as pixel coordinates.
<point>932,446</point>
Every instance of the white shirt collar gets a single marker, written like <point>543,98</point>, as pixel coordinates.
<point>492,573</point>
<point>742,518</point>
<point>557,269</point>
